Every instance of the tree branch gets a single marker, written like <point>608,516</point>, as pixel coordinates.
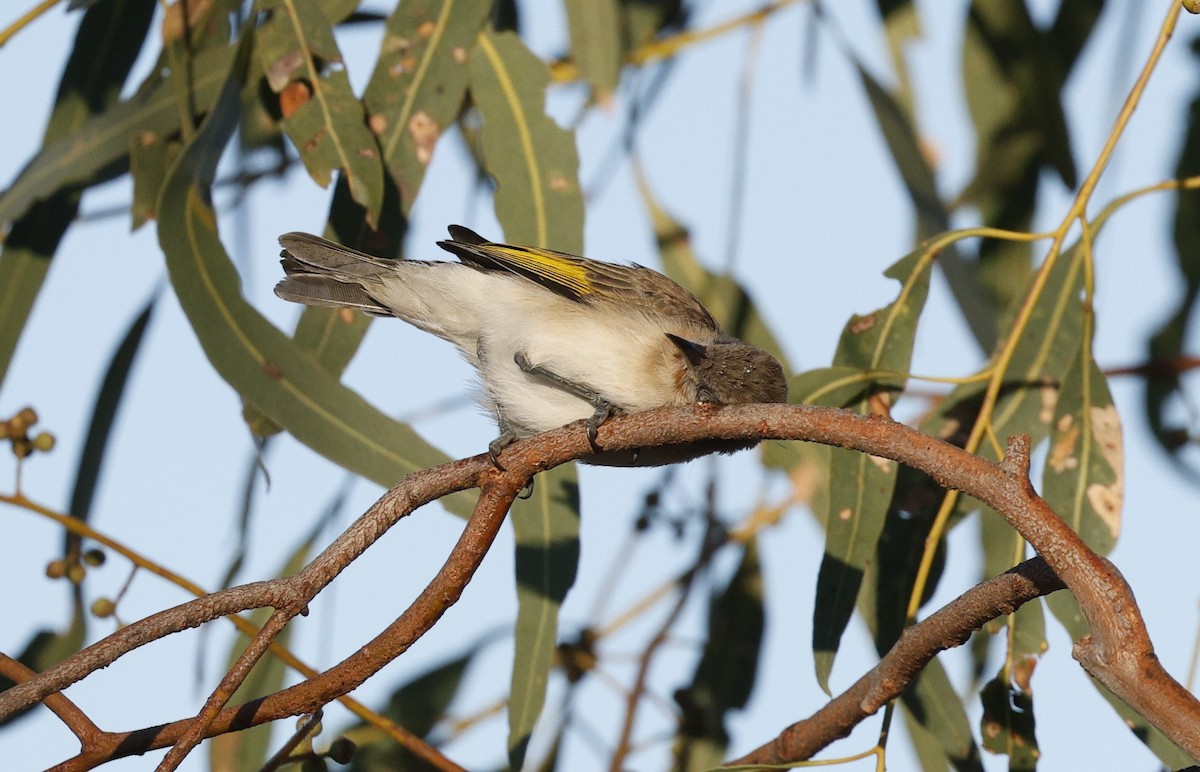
<point>946,628</point>
<point>1118,652</point>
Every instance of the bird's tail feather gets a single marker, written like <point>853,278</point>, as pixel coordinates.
<point>322,273</point>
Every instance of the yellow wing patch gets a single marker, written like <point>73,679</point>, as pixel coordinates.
<point>551,267</point>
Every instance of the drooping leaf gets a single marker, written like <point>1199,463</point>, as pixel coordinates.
<point>902,24</point>
<point>595,29</point>
<point>321,115</point>
<point>1167,346</point>
<point>260,362</point>
<point>1013,80</point>
<point>727,669</point>
<point>417,88</point>
<point>938,710</point>
<point>547,535</point>
<point>861,485</point>
<point>538,202</point>
<point>1039,363</point>
<point>415,91</point>
<point>533,160</point>
<point>1083,482</point>
<point>106,46</point>
<point>1032,384</point>
<point>1083,478</point>
<point>891,576</point>
<point>1007,726</point>
<point>150,155</point>
<point>104,413</point>
<point>643,21</point>
<point>97,147</point>
<point>932,215</point>
<point>417,706</point>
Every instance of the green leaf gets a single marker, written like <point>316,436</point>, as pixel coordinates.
<point>1083,483</point>
<point>933,217</point>
<point>104,413</point>
<point>891,576</point>
<point>533,160</point>
<point>1007,725</point>
<point>861,485</point>
<point>1083,477</point>
<point>643,21</point>
<point>1168,344</point>
<point>1031,381</point>
<point>1032,385</point>
<point>417,706</point>
<point>903,25</point>
<point>727,669</point>
<point>106,46</point>
<point>415,91</point>
<point>321,115</point>
<point>729,302</point>
<point>23,268</point>
<point>538,202</point>
<point>595,29</point>
<point>247,750</point>
<point>417,88</point>
<point>936,707</point>
<point>265,366</point>
<point>1013,79</point>
<point>547,534</point>
<point>98,148</point>
<point>150,155</point>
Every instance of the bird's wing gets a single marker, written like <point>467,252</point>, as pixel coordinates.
<point>580,279</point>
<point>559,272</point>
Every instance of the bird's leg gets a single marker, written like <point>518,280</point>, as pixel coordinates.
<point>603,408</point>
<point>507,437</point>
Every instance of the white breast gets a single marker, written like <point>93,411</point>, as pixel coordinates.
<point>629,361</point>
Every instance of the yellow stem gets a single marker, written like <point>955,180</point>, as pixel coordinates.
<point>1004,358</point>
<point>25,20</point>
<point>564,71</point>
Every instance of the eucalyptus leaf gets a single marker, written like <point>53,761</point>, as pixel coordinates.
<point>301,61</point>
<point>533,160</point>
<point>96,69</point>
<point>547,534</point>
<point>860,488</point>
<point>265,366</point>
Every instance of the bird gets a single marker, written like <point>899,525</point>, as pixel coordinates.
<point>555,338</point>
